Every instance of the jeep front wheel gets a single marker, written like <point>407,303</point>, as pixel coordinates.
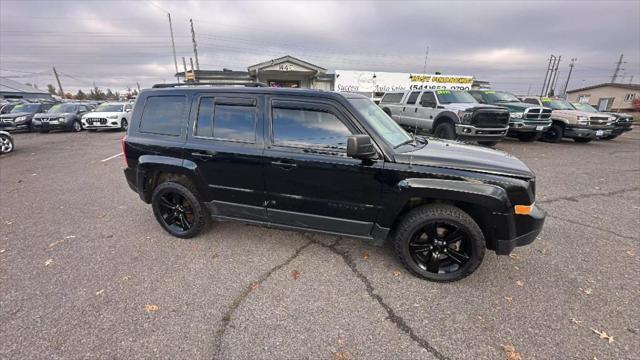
<point>439,243</point>
<point>178,210</point>
<point>445,131</point>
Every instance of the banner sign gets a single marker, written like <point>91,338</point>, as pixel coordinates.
<point>370,81</point>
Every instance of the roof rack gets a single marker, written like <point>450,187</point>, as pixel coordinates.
<point>246,84</point>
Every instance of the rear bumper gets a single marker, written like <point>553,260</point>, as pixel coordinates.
<point>470,132</point>
<point>523,231</point>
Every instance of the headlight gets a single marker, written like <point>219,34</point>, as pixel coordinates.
<point>21,118</point>
<point>62,119</point>
<point>516,115</point>
<point>465,116</point>
<point>112,117</point>
<point>582,118</point>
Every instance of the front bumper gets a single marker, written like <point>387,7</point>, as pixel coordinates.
<point>525,230</point>
<point>471,132</point>
<point>11,126</point>
<point>520,127</point>
<point>590,132</point>
<point>110,124</point>
<point>621,128</point>
<point>49,125</point>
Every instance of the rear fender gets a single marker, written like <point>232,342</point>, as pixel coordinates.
<point>151,165</point>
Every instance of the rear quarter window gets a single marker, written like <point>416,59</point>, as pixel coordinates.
<point>163,115</point>
<point>391,98</point>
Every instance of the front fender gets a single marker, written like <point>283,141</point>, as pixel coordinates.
<point>446,114</point>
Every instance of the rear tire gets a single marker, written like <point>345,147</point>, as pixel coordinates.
<point>528,137</point>
<point>488,143</point>
<point>6,144</point>
<point>445,131</point>
<point>439,243</point>
<point>554,134</point>
<point>582,140</point>
<point>178,210</point>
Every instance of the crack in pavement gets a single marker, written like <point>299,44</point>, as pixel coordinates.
<point>226,319</point>
<point>576,197</point>
<point>591,227</point>
<point>396,319</point>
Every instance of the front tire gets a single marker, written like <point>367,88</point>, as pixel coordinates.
<point>178,210</point>
<point>76,126</point>
<point>6,144</point>
<point>124,124</point>
<point>445,131</point>
<point>439,243</point>
<point>554,134</point>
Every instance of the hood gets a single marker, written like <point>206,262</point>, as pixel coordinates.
<point>516,105</point>
<point>100,114</point>
<point>457,155</point>
<point>572,113</point>
<point>469,106</point>
<point>15,115</point>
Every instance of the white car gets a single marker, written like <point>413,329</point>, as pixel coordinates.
<point>110,115</point>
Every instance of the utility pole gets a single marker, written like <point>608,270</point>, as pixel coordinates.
<point>138,85</point>
<point>173,44</point>
<point>195,46</point>
<point>566,84</point>
<point>546,75</point>
<point>529,90</point>
<point>631,80</point>
<point>192,72</point>
<point>555,76</point>
<point>426,56</point>
<point>58,80</point>
<point>615,73</point>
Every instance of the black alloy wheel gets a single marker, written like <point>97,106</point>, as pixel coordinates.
<point>439,243</point>
<point>177,209</point>
<point>445,131</point>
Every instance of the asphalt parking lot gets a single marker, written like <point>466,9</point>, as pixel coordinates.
<point>86,272</point>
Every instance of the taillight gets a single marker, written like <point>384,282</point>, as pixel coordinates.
<point>124,150</point>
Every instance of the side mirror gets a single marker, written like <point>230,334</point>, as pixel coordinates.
<point>360,147</point>
<point>427,103</point>
<point>127,110</point>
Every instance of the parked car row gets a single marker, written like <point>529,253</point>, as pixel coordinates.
<point>486,116</point>
<point>67,116</point>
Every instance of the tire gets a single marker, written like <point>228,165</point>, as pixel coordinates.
<point>76,126</point>
<point>582,140</point>
<point>124,124</point>
<point>554,134</point>
<point>445,131</point>
<point>6,144</point>
<point>528,137</point>
<point>414,243</point>
<point>488,143</point>
<point>190,216</point>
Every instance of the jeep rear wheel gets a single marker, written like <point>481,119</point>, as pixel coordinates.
<point>439,243</point>
<point>554,134</point>
<point>445,131</point>
<point>178,210</point>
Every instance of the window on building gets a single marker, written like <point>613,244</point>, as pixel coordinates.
<point>413,97</point>
<point>308,128</point>
<point>235,122</point>
<point>163,115</point>
<point>629,97</point>
<point>584,98</point>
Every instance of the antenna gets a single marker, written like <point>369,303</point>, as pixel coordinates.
<point>426,56</point>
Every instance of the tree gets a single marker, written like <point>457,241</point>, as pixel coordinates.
<point>68,95</point>
<point>110,95</point>
<point>51,89</point>
<point>80,95</point>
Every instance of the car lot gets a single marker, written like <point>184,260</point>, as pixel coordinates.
<point>87,272</point>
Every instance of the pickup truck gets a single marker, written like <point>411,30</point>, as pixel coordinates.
<point>568,122</point>
<point>527,123</point>
<point>623,122</point>
<point>447,114</point>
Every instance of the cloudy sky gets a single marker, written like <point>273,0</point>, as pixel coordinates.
<point>118,43</point>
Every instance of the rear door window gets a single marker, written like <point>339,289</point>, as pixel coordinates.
<point>413,97</point>
<point>227,119</point>
<point>391,98</point>
<point>163,115</point>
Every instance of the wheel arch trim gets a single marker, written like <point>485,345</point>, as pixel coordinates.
<point>149,166</point>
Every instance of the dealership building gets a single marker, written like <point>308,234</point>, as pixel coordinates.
<point>288,71</point>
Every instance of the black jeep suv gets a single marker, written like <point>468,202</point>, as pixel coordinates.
<point>325,162</point>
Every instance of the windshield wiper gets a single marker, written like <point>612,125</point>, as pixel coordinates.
<point>406,142</point>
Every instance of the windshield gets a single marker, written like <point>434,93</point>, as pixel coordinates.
<point>109,107</point>
<point>557,104</point>
<point>62,108</point>
<point>499,96</point>
<point>448,97</point>
<point>28,108</point>
<point>584,107</point>
<point>381,122</point>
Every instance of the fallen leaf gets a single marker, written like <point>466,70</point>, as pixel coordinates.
<point>126,278</point>
<point>99,292</point>
<point>509,299</point>
<point>520,283</point>
<point>603,335</point>
<point>151,308</point>
<point>255,285</point>
<point>396,273</point>
<point>3,250</point>
<point>576,321</point>
<point>70,237</point>
<point>295,274</point>
<point>56,243</point>
<point>511,353</point>
<point>8,222</point>
<point>343,355</point>
<point>587,291</point>
<point>631,253</point>
<point>514,256</point>
<point>515,267</point>
<point>34,174</point>
<point>48,262</point>
<point>365,256</point>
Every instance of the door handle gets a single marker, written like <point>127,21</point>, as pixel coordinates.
<point>202,155</point>
<point>416,110</point>
<point>284,165</point>
<point>403,108</point>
